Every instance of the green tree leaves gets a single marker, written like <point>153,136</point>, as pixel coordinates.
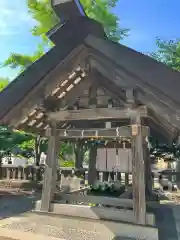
<point>22,61</point>
<point>101,11</point>
<point>168,52</point>
<point>45,18</point>
<point>3,83</point>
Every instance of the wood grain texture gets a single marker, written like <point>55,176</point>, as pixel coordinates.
<point>95,114</point>
<point>50,171</point>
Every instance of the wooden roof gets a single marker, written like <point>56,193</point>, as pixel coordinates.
<point>82,49</point>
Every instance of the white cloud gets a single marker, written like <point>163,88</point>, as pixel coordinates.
<point>13,17</point>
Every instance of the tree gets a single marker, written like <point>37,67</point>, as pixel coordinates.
<point>3,83</point>
<point>34,147</point>
<point>168,52</point>
<point>100,10</point>
<point>41,11</point>
<point>10,140</point>
<point>20,61</point>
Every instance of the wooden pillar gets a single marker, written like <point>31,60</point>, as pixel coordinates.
<point>50,173</point>
<point>92,173</point>
<point>147,162</point>
<point>139,201</point>
<point>138,169</point>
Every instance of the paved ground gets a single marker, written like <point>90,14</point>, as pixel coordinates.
<point>7,238</point>
<point>13,207</point>
<point>168,221</point>
<point>57,227</point>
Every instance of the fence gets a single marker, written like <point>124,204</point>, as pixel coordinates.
<point>33,173</point>
<point>36,174</point>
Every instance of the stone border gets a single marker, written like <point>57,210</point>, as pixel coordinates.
<point>97,213</point>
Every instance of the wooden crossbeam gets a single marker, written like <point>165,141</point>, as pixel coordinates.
<point>124,131</point>
<point>95,114</point>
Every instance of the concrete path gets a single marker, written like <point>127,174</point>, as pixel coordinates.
<point>18,224</point>
<point>36,226</point>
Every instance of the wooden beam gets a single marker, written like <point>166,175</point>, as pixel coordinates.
<point>98,133</point>
<point>95,114</point>
<point>50,171</point>
<point>120,77</point>
<point>115,93</point>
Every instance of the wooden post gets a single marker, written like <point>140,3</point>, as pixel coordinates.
<point>50,170</point>
<point>92,174</point>
<point>148,175</point>
<point>139,201</point>
<point>138,169</point>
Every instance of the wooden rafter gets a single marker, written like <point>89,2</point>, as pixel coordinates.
<point>44,88</point>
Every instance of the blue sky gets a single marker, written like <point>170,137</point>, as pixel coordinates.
<point>146,19</point>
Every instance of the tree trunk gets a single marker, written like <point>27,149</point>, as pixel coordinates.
<point>37,149</point>
<point>92,173</point>
<point>38,156</point>
<point>79,154</point>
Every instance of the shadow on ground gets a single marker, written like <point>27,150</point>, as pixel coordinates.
<point>15,203</point>
<point>166,221</point>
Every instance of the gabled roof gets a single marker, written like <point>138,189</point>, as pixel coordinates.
<point>36,76</point>
<point>158,85</point>
<point>81,42</point>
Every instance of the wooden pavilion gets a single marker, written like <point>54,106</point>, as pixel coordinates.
<point>88,86</point>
